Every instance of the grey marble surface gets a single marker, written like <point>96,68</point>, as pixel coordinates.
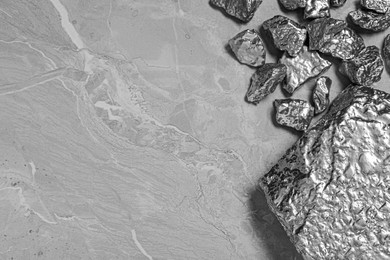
<point>125,135</point>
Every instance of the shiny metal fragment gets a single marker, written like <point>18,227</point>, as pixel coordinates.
<point>322,30</point>
<point>294,113</point>
<point>330,190</point>
<point>370,20</point>
<point>286,34</point>
<point>293,4</point>
<point>333,37</point>
<point>386,51</point>
<point>337,3</point>
<point>248,48</point>
<point>306,65</point>
<point>317,9</point>
<point>264,81</point>
<point>241,9</point>
<point>321,94</point>
<point>379,6</point>
<point>364,69</point>
<point>344,45</point>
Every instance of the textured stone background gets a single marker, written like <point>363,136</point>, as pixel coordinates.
<point>124,133</point>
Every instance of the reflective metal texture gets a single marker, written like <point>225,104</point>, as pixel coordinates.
<point>330,190</point>
<point>264,81</point>
<point>386,51</point>
<point>370,20</point>
<point>248,48</point>
<point>366,68</point>
<point>337,3</point>
<point>317,9</point>
<point>332,36</point>
<point>321,94</point>
<point>379,6</point>
<point>294,113</point>
<point>322,30</point>
<point>286,34</point>
<point>306,65</point>
<point>293,4</point>
<point>241,9</point>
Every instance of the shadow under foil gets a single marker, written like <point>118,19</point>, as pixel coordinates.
<point>268,229</point>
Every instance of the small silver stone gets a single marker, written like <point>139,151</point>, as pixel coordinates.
<point>241,9</point>
<point>293,4</point>
<point>317,9</point>
<point>386,51</point>
<point>294,113</point>
<point>364,69</point>
<point>321,94</point>
<point>370,20</point>
<point>265,80</point>
<point>379,6</point>
<point>306,65</point>
<point>248,48</point>
<point>286,34</point>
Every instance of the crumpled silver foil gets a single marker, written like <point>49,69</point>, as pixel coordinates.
<point>371,21</point>
<point>330,191</point>
<point>264,81</point>
<point>248,48</point>
<point>365,68</point>
<point>241,9</point>
<point>293,4</point>
<point>286,34</point>
<point>294,113</point>
<point>379,6</point>
<point>337,3</point>
<point>317,9</point>
<point>321,94</point>
<point>386,51</point>
<point>306,65</point>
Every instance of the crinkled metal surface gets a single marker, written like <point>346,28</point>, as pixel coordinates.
<point>332,36</point>
<point>370,20</point>
<point>248,48</point>
<point>330,190</point>
<point>264,81</point>
<point>241,9</point>
<point>293,4</point>
<point>366,68</point>
<point>317,9</point>
<point>344,45</point>
<point>322,30</point>
<point>306,65</point>
<point>321,94</point>
<point>337,3</point>
<point>379,6</point>
<point>287,35</point>
<point>386,51</point>
<point>294,113</point>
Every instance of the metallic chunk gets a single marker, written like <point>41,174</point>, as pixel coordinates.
<point>293,4</point>
<point>248,48</point>
<point>306,65</point>
<point>337,3</point>
<point>370,20</point>
<point>294,113</point>
<point>264,81</point>
<point>317,9</point>
<point>321,94</point>
<point>322,30</point>
<point>330,191</point>
<point>366,68</point>
<point>344,45</point>
<point>332,36</point>
<point>379,6</point>
<point>286,34</point>
<point>241,9</point>
<point>386,51</point>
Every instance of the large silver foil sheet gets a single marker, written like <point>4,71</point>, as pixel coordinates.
<point>330,190</point>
